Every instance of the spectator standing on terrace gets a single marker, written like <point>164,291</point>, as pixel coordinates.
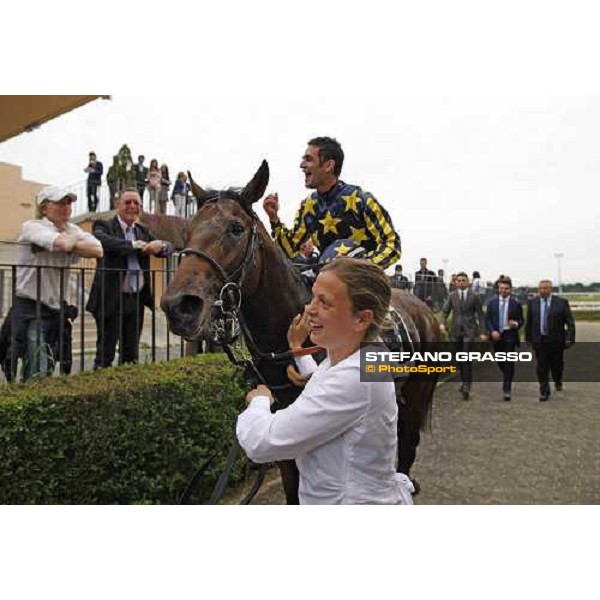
<point>141,175</point>
<point>112,180</point>
<point>122,284</point>
<point>154,183</point>
<point>165,184</point>
<point>94,171</point>
<point>47,243</point>
<point>180,194</point>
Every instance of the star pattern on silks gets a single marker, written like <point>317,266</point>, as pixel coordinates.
<point>342,250</point>
<point>309,206</point>
<point>329,223</point>
<point>358,235</point>
<point>344,212</point>
<point>351,201</point>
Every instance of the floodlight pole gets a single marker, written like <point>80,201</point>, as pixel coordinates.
<point>558,256</point>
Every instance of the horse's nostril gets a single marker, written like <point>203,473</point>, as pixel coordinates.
<point>182,307</point>
<point>191,305</point>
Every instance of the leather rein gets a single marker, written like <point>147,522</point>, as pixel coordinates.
<point>230,302</point>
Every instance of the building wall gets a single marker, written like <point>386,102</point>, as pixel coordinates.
<point>17,198</point>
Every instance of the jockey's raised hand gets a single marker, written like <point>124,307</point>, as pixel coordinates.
<point>271,206</point>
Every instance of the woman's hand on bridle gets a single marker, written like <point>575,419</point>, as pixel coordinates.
<point>259,390</point>
<point>298,331</point>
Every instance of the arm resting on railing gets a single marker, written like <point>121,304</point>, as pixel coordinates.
<point>88,249</point>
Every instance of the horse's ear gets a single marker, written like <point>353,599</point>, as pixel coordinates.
<point>255,189</point>
<point>197,191</point>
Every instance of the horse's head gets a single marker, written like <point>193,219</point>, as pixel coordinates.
<point>220,260</point>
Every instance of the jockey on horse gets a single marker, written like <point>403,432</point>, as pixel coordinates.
<point>341,219</point>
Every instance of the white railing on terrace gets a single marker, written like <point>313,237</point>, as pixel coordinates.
<point>80,207</point>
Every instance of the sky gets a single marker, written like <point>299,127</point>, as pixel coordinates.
<point>494,183</point>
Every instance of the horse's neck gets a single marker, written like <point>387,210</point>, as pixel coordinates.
<point>278,297</point>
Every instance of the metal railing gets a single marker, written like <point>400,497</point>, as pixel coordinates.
<point>80,206</point>
<point>433,291</point>
<point>72,345</point>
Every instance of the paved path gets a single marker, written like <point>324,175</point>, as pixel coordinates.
<point>487,451</point>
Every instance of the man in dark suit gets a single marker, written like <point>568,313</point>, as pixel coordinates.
<point>94,171</point>
<point>468,317</point>
<point>504,317</point>
<point>424,280</point>
<point>122,284</point>
<point>550,329</point>
<point>398,280</point>
<point>141,175</point>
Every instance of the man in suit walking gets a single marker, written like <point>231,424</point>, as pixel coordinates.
<point>468,317</point>
<point>504,317</point>
<point>550,329</point>
<point>122,284</point>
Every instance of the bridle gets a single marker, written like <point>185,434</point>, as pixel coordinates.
<point>230,302</point>
<point>230,295</point>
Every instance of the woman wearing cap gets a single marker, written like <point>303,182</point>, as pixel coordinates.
<point>341,431</point>
<point>51,243</point>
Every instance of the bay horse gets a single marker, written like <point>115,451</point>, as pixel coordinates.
<point>228,248</point>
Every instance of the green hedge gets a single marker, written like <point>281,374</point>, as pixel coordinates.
<point>135,434</point>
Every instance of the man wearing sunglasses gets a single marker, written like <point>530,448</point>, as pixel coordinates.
<point>122,284</point>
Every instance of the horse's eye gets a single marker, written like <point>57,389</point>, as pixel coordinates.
<point>236,229</point>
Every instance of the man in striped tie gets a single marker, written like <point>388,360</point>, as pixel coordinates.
<point>122,286</point>
<point>550,329</point>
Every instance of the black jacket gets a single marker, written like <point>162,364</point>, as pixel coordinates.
<point>116,248</point>
<point>141,175</point>
<point>492,318</point>
<point>561,326</point>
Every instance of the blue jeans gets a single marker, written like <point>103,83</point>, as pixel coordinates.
<point>39,358</point>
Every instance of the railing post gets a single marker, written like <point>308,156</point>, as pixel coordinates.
<point>153,342</point>
<point>61,324</point>
<point>82,321</point>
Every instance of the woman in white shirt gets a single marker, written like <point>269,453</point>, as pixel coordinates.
<point>341,431</point>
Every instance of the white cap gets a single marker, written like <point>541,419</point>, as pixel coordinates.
<point>54,194</point>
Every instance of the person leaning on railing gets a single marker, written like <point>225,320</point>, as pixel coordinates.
<point>122,285</point>
<point>47,243</point>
